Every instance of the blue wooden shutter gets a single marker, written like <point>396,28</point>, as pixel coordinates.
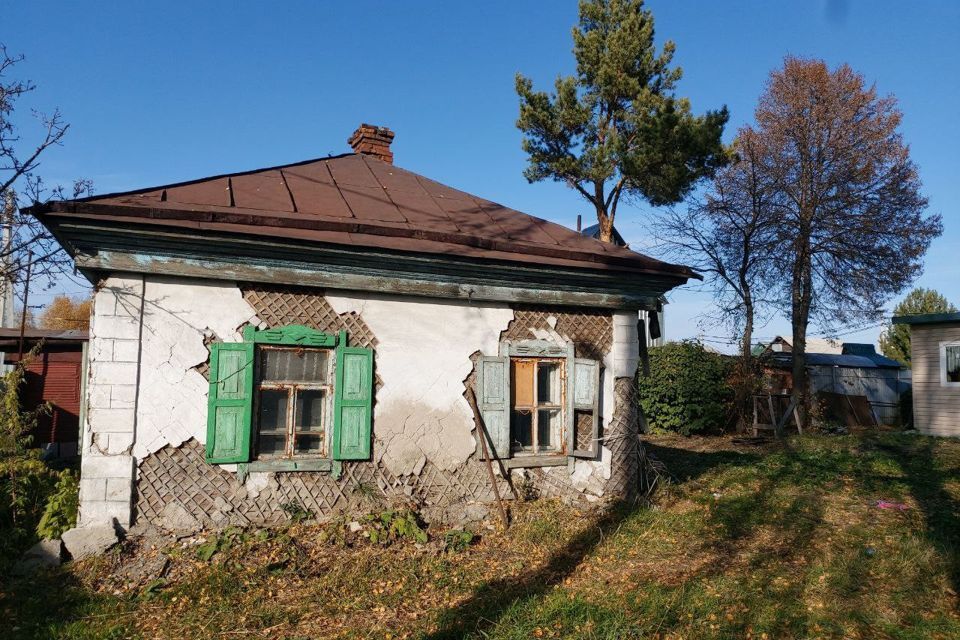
<point>230,402</point>
<point>584,391</point>
<point>493,398</point>
<point>353,403</point>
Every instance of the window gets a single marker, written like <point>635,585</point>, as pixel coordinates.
<point>293,397</point>
<point>950,364</point>
<point>539,403</point>
<point>537,406</point>
<point>289,394</point>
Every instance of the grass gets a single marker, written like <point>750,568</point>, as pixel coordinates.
<point>782,541</point>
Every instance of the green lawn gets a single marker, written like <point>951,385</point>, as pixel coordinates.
<point>782,541</point>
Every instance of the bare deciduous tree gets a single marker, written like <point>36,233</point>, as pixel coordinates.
<point>26,239</point>
<point>850,213</point>
<point>730,235</point>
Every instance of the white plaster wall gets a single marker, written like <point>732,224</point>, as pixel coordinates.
<point>144,393</point>
<point>146,335</point>
<point>423,356</point>
<point>177,316</point>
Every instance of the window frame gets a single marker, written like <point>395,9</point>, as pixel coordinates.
<point>292,387</point>
<point>559,436</point>
<point>944,345</point>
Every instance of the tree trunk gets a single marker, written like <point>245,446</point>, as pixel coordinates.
<point>606,225</point>
<point>801,295</point>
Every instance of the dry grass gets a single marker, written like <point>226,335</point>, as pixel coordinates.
<point>746,542</point>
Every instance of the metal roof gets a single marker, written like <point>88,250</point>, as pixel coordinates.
<point>358,201</point>
<point>928,318</point>
<point>63,335</point>
<point>839,360</point>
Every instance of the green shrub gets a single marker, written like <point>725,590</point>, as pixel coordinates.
<point>26,482</point>
<point>60,513</point>
<point>688,389</point>
<point>393,525</point>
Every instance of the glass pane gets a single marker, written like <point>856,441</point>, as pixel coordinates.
<point>271,445</point>
<point>953,363</point>
<point>521,428</point>
<point>548,383</point>
<point>309,410</point>
<point>548,429</point>
<point>298,365</point>
<point>273,411</point>
<point>308,443</point>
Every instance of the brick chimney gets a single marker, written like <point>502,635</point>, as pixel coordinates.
<point>373,141</point>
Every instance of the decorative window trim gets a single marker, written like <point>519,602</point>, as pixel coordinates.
<point>942,365</point>
<point>494,396</point>
<point>232,425</point>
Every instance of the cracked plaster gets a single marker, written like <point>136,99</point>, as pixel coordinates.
<point>423,356</point>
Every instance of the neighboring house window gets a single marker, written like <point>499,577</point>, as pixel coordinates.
<point>539,403</point>
<point>289,393</point>
<point>950,364</point>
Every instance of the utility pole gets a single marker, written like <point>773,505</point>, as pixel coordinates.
<point>26,296</point>
<point>6,255</point>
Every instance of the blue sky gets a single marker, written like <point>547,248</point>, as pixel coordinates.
<point>161,92</point>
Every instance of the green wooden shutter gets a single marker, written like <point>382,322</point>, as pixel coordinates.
<point>230,402</point>
<point>493,382</point>
<point>353,403</point>
<point>584,392</point>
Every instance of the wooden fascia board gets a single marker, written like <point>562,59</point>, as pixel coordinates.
<point>107,262</point>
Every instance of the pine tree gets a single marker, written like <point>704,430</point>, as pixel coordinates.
<point>616,129</point>
<point>895,339</point>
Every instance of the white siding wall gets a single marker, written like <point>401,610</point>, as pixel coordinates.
<point>936,408</point>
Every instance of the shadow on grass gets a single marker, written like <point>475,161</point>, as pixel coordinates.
<point>927,483</point>
<point>684,465</point>
<point>737,517</point>
<point>50,604</point>
<point>491,600</point>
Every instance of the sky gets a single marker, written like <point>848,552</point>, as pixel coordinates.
<point>163,92</point>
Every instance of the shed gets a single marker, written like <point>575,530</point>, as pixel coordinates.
<point>54,376</point>
<point>935,359</point>
<point>310,333</point>
<point>857,371</point>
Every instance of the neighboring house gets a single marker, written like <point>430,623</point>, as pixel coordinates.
<point>53,376</point>
<point>781,345</point>
<point>935,360</point>
<point>856,370</point>
<point>306,335</point>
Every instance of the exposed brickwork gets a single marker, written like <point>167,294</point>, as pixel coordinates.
<point>373,141</point>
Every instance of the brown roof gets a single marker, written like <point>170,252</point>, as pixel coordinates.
<point>359,200</point>
<point>8,334</point>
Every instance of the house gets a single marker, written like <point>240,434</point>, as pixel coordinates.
<point>652,321</point>
<point>779,344</point>
<point>307,335</point>
<point>935,359</point>
<point>53,376</point>
<point>855,370</point>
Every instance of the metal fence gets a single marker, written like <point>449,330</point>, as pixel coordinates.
<point>882,387</point>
